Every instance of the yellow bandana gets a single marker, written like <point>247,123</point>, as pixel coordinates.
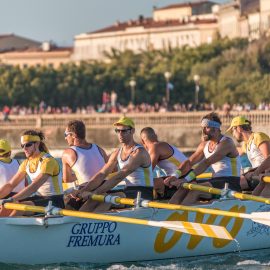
<point>29,138</point>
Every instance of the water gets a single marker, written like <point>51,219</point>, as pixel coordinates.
<point>251,260</point>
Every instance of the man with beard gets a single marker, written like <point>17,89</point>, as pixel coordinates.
<point>135,169</point>
<point>216,151</point>
<point>257,147</point>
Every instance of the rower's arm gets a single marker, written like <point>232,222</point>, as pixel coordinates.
<point>224,148</point>
<point>100,176</point>
<point>14,181</point>
<point>265,148</point>
<point>263,167</point>
<point>103,153</point>
<point>138,159</point>
<point>198,155</point>
<point>154,155</point>
<point>33,187</point>
<point>69,158</point>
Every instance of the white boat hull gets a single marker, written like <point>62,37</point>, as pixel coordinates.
<point>66,239</point>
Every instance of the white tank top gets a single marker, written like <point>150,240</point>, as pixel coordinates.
<point>89,162</point>
<point>53,185</point>
<point>227,166</point>
<point>170,164</point>
<point>7,171</point>
<point>141,176</point>
<point>254,154</point>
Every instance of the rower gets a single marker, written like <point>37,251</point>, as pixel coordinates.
<point>135,170</point>
<point>257,147</point>
<point>165,157</point>
<point>8,168</point>
<point>216,151</point>
<point>81,161</point>
<point>43,171</point>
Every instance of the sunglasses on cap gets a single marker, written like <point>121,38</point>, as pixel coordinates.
<point>67,133</point>
<point>26,145</point>
<point>122,130</point>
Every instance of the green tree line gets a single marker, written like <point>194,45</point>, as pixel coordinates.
<point>234,71</point>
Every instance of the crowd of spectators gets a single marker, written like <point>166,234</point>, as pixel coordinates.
<point>130,108</point>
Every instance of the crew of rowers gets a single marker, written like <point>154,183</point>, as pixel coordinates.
<point>38,179</point>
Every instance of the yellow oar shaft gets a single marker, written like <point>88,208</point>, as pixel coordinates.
<point>127,201</point>
<point>266,179</point>
<point>217,191</point>
<point>200,229</point>
<point>39,209</point>
<point>211,190</point>
<point>204,175</point>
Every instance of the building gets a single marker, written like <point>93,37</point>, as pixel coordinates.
<point>244,18</point>
<point>23,52</point>
<point>12,42</point>
<point>188,24</point>
<point>45,55</point>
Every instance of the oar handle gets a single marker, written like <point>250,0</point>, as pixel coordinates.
<point>266,179</point>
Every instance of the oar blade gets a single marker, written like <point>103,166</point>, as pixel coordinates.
<point>198,229</point>
<point>261,217</point>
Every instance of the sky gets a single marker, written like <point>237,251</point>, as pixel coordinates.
<point>60,20</point>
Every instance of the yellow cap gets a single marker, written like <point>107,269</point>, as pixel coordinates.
<point>238,121</point>
<point>125,121</point>
<point>4,146</point>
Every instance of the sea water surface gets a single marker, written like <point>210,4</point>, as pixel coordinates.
<point>250,260</point>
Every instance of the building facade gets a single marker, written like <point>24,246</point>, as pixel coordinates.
<point>179,25</point>
<point>46,55</point>
<point>244,18</point>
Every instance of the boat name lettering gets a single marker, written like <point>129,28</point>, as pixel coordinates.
<point>93,234</point>
<point>98,227</point>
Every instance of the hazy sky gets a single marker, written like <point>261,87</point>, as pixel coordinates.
<point>61,20</point>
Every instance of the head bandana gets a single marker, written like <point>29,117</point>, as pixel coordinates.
<point>29,138</point>
<point>210,123</point>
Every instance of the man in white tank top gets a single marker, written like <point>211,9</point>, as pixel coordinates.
<point>163,156</point>
<point>134,165</point>
<point>81,161</point>
<point>257,147</point>
<point>215,151</point>
<point>8,168</point>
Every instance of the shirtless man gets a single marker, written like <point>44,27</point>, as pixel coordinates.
<point>83,158</point>
<point>215,150</point>
<point>257,147</point>
<point>134,168</point>
<point>163,155</point>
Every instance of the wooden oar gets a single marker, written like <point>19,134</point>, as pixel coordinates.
<point>231,193</point>
<point>199,229</point>
<point>259,217</point>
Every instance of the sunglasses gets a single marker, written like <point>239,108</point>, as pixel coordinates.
<point>122,130</point>
<point>26,145</point>
<point>67,133</point>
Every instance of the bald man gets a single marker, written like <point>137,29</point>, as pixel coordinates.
<point>163,155</point>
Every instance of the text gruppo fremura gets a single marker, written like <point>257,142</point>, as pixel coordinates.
<point>93,234</point>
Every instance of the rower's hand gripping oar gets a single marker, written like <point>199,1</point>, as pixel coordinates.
<point>198,229</point>
<point>259,217</point>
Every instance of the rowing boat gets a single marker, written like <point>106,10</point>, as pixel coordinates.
<point>58,239</point>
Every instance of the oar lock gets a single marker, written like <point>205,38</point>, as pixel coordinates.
<point>226,193</point>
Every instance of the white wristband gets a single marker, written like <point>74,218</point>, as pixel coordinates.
<point>191,176</point>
